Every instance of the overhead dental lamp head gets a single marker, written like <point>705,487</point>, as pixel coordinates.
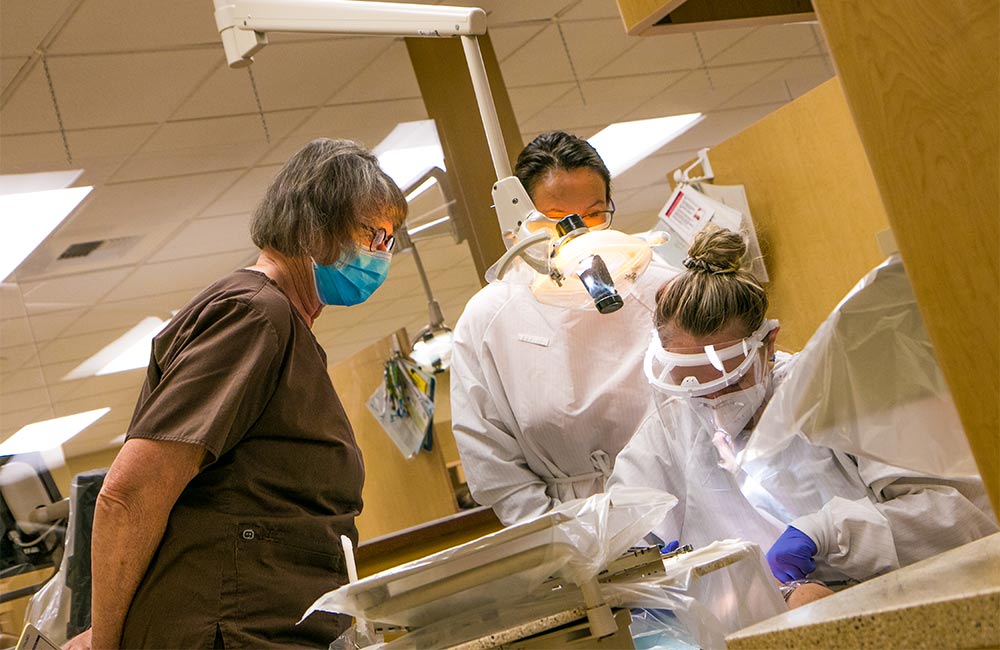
<point>600,270</point>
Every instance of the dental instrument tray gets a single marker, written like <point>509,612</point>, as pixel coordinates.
<point>434,587</point>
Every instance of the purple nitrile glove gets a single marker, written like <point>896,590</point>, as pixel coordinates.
<point>791,555</point>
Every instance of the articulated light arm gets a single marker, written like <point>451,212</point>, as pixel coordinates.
<point>243,26</point>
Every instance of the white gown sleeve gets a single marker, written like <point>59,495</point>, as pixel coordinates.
<point>648,461</point>
<point>912,517</point>
<point>495,466</point>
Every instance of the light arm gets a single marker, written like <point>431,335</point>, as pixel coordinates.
<point>243,26</point>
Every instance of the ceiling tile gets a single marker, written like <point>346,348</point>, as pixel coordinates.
<point>588,9</point>
<point>99,152</point>
<point>771,90</point>
<point>506,12</point>
<point>390,76</point>
<point>23,379</point>
<point>11,303</point>
<point>593,44</point>
<point>768,43</point>
<point>115,317</point>
<point>243,194</point>
<point>523,67</point>
<point>508,40</point>
<point>714,42</point>
<point>149,203</point>
<point>35,152</point>
<point>208,237</point>
<point>172,276</point>
<point>75,348</point>
<point>213,144</point>
<point>133,88</point>
<point>290,75</point>
<point>47,326</point>
<point>25,23</point>
<point>129,25</point>
<point>702,90</point>
<point>528,101</point>
<point>15,331</point>
<point>603,102</point>
<point>157,303</point>
<point>664,53</point>
<point>805,73</point>
<point>9,67</point>
<point>29,108</point>
<point>18,357</point>
<point>367,123</point>
<point>70,292</point>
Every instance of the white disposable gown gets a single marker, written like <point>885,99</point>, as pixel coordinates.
<point>866,517</point>
<point>543,397</point>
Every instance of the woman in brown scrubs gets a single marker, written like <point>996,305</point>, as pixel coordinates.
<point>219,522</point>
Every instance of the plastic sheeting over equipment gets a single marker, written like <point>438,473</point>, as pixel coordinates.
<point>553,565</point>
<point>867,383</point>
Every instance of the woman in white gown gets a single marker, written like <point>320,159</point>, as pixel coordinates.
<point>822,513</point>
<point>544,397</point>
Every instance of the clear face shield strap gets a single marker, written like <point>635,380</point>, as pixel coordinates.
<point>674,373</point>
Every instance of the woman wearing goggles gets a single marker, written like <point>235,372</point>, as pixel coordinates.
<point>823,514</point>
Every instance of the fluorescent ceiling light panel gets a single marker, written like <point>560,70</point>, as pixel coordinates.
<point>420,189</point>
<point>39,436</point>
<point>38,182</point>
<point>27,218</point>
<point>430,224</point>
<point>127,352</point>
<point>409,151</point>
<point>623,144</point>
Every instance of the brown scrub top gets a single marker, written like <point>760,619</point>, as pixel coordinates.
<point>254,538</point>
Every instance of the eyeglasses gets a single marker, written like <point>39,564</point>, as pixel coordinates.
<point>381,241</point>
<point>599,220</point>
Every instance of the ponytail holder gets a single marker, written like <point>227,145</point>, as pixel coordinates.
<point>696,264</point>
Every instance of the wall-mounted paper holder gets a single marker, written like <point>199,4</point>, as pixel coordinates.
<point>684,175</point>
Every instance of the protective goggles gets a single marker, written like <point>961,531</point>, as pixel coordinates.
<point>597,220</point>
<point>709,369</point>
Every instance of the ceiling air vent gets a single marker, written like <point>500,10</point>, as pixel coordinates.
<point>98,250</point>
<point>82,249</point>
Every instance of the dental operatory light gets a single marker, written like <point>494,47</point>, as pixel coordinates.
<point>31,207</point>
<point>39,436</point>
<point>623,144</point>
<point>127,352</point>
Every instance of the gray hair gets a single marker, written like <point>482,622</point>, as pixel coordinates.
<point>323,199</point>
<point>714,290</point>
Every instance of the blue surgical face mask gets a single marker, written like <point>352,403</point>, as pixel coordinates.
<point>352,280</point>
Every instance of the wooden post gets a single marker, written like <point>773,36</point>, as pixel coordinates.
<point>446,86</point>
<point>921,79</point>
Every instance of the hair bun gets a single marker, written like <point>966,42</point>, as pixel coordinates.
<point>716,250</point>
